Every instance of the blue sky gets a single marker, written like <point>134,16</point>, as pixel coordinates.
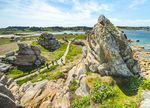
<point>73,12</point>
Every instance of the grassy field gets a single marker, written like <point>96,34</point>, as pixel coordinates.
<point>51,55</point>
<point>4,41</point>
<point>70,36</point>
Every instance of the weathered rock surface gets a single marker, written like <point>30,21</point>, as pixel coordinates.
<point>108,52</point>
<point>146,100</point>
<point>7,100</point>
<point>42,94</point>
<point>48,41</point>
<point>28,56</point>
<point>4,67</point>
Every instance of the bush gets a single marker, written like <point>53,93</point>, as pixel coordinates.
<point>81,102</point>
<point>145,84</point>
<point>73,85</point>
<point>101,92</point>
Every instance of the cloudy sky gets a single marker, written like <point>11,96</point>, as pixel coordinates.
<point>73,12</point>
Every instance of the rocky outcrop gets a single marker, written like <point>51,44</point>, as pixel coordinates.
<point>42,94</point>
<point>106,52</point>
<point>7,99</point>
<point>28,56</point>
<point>48,41</point>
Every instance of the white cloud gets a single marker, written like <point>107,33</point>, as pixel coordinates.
<point>126,22</point>
<point>92,6</point>
<point>136,3</point>
<point>42,13</point>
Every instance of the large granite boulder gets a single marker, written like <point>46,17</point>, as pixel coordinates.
<point>28,55</point>
<point>48,41</point>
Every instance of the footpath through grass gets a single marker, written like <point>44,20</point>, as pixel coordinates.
<point>54,71</point>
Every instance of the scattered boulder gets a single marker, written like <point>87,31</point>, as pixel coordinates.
<point>4,67</point>
<point>48,41</point>
<point>11,53</point>
<point>137,40</point>
<point>28,56</point>
<point>79,42</point>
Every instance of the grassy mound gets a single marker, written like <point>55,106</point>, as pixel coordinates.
<point>124,93</point>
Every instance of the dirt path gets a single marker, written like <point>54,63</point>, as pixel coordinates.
<point>62,60</point>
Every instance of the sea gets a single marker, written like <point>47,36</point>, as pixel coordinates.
<point>143,37</point>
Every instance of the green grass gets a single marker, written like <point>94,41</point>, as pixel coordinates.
<point>4,41</point>
<point>126,94</point>
<point>69,36</point>
<point>81,102</point>
<point>49,74</point>
<point>52,55</point>
<point>73,85</point>
<point>73,51</point>
<point>15,73</point>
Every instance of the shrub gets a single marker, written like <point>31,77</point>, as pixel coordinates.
<point>145,84</point>
<point>73,85</point>
<point>100,92</point>
<point>81,102</point>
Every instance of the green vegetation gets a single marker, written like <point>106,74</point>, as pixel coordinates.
<point>15,29</point>
<point>126,93</point>
<point>73,85</point>
<point>4,41</point>
<point>15,73</point>
<point>54,72</point>
<point>52,55</point>
<point>70,36</point>
<point>73,51</point>
<point>81,102</point>
<point>49,74</point>
<point>101,92</point>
